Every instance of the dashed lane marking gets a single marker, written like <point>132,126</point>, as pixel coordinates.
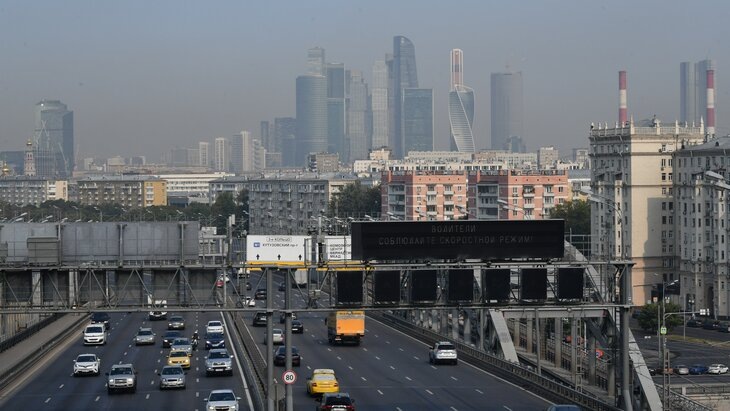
<point>392,368</point>
<point>60,386</point>
<point>380,392</point>
<point>429,392</point>
<point>48,400</point>
<point>454,378</point>
<point>478,390</point>
<point>97,398</point>
<point>147,397</point>
<point>408,378</point>
<point>364,379</point>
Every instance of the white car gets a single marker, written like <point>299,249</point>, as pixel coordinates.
<point>717,369</point>
<point>214,327</point>
<point>248,302</point>
<point>95,334</point>
<point>86,364</point>
<point>277,336</point>
<point>442,351</point>
<point>222,400</point>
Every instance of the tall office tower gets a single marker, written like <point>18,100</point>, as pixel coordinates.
<point>221,155</point>
<point>404,76</point>
<point>417,119</point>
<point>336,115</point>
<point>204,153</point>
<point>357,135</point>
<point>315,61</point>
<point>285,131</point>
<point>693,86</point>
<point>515,144</point>
<point>238,147</point>
<point>461,107</point>
<point>53,139</point>
<point>266,135</point>
<point>379,104</point>
<point>311,116</point>
<point>507,108</point>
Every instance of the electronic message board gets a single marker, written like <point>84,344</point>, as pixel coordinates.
<point>349,288</point>
<point>386,287</point>
<point>570,283</point>
<point>461,286</point>
<point>496,284</point>
<point>459,239</point>
<point>533,284</point>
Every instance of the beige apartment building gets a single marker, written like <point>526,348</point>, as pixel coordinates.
<point>24,190</point>
<point>127,191</point>
<point>633,198</point>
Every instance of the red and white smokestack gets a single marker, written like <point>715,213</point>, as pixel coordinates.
<point>622,116</point>
<point>711,102</point>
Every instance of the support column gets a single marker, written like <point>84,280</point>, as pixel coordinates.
<point>482,328</point>
<point>73,287</point>
<point>516,332</point>
<point>147,283</point>
<point>36,288</point>
<point>455,324</point>
<point>467,327</point>
<point>444,320</point>
<point>592,360</point>
<point>530,334</point>
<point>558,325</point>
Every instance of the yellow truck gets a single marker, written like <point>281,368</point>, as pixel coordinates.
<point>345,326</point>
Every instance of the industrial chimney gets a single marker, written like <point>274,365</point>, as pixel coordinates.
<point>710,103</point>
<point>622,117</point>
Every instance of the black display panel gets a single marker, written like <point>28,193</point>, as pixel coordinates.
<point>496,284</point>
<point>349,288</point>
<point>423,286</point>
<point>461,286</point>
<point>458,239</point>
<point>570,283</point>
<point>386,287</point>
<point>533,284</point>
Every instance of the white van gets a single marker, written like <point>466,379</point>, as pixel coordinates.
<point>95,334</point>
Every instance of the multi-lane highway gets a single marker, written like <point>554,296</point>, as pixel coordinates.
<point>388,371</point>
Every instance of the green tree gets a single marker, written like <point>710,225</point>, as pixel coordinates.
<point>649,316</point>
<point>577,216</point>
<point>355,200</point>
<point>223,207</point>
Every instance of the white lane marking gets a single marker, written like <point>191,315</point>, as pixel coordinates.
<point>507,408</point>
<point>376,336</point>
<point>416,358</point>
<point>408,378</point>
<point>197,380</point>
<point>400,349</point>
<point>159,360</point>
<point>398,409</point>
<point>152,382</point>
<point>125,353</point>
<point>364,349</point>
<point>454,409</point>
<point>364,379</point>
<point>147,397</point>
<point>454,378</point>
<point>197,394</point>
<point>339,358</point>
<point>97,398</point>
<point>478,390</point>
<point>60,386</point>
<point>350,367</point>
<point>392,368</point>
<point>434,367</point>
<point>429,392</point>
<point>380,392</point>
<point>48,400</point>
<point>377,358</point>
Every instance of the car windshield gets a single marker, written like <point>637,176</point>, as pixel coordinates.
<point>338,401</point>
<point>176,319</point>
<point>213,336</point>
<point>278,331</point>
<point>181,341</point>
<point>324,377</point>
<point>172,371</point>
<point>446,347</point>
<point>100,316</point>
<point>178,354</point>
<point>214,354</point>
<point>222,396</point>
<point>144,332</point>
<point>94,329</point>
<point>214,324</point>
<point>172,334</point>
<point>121,371</point>
<point>86,358</point>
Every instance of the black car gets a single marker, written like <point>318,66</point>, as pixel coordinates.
<point>259,319</point>
<point>248,285</point>
<point>694,323</point>
<point>710,325</point>
<point>280,356</point>
<point>169,337</point>
<point>100,318</point>
<point>282,286</point>
<point>297,327</point>
<point>260,294</point>
<point>214,340</point>
<point>336,401</point>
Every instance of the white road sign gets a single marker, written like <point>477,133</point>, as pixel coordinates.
<point>285,248</point>
<point>289,377</point>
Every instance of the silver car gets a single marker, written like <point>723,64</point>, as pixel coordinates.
<point>222,400</point>
<point>86,364</point>
<point>183,344</point>
<point>218,362</point>
<point>176,322</point>
<point>172,376</point>
<point>121,377</point>
<point>145,336</point>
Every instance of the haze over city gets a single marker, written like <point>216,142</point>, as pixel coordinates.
<point>144,77</point>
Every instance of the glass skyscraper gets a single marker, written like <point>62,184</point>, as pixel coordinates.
<point>507,109</point>
<point>357,132</point>
<point>404,76</point>
<point>461,107</point>
<point>336,116</point>
<point>53,140</point>
<point>379,104</point>
<point>311,116</point>
<point>417,112</point>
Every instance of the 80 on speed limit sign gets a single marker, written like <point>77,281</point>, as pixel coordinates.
<point>289,377</point>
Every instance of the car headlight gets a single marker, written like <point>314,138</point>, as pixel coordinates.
<point>111,381</point>
<point>129,380</point>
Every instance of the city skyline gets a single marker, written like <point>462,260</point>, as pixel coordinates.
<point>152,83</point>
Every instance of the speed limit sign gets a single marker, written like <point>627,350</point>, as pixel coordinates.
<point>289,377</point>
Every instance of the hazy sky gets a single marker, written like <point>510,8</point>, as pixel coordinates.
<point>144,76</point>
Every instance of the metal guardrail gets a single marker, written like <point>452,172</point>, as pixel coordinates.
<point>20,336</point>
<point>255,371</point>
<point>516,373</point>
<point>31,360</point>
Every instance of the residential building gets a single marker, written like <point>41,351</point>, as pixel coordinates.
<point>547,157</point>
<point>417,117</point>
<point>222,154</point>
<point>126,191</point>
<point>632,176</point>
<point>403,76</point>
<point>507,109</point>
<point>204,154</point>
<point>323,162</point>
<point>194,187</point>
<point>423,195</point>
<point>31,190</point>
<point>311,134</point>
<point>461,107</point>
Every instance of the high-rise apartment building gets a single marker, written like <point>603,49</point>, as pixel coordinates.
<point>311,106</point>
<point>417,113</point>
<point>379,105</point>
<point>507,109</point>
<point>242,152</point>
<point>221,155</point>
<point>461,107</point>
<point>204,153</point>
<point>697,93</point>
<point>404,76</point>
<point>357,107</point>
<point>285,131</point>
<point>336,113</point>
<point>53,140</point>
